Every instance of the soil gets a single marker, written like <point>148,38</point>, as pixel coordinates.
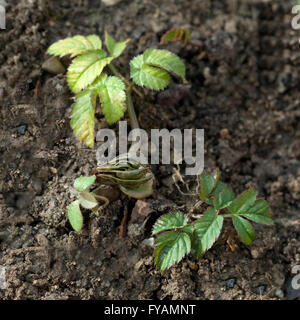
<point>244,91</point>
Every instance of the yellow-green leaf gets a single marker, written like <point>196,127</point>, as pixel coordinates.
<point>145,75</point>
<point>112,96</point>
<point>86,68</point>
<point>82,184</point>
<point>83,117</point>
<point>166,60</point>
<point>115,48</point>
<point>75,46</point>
<point>75,216</point>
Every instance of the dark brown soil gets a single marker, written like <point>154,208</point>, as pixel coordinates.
<point>244,93</point>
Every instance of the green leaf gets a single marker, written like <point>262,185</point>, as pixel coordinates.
<point>87,200</point>
<point>207,185</point>
<point>82,184</point>
<point>83,117</point>
<point>166,60</point>
<point>259,212</point>
<point>244,229</point>
<point>75,216</point>
<point>144,75</point>
<point>86,68</point>
<point>224,198</point>
<point>207,230</point>
<point>115,48</point>
<point>243,202</point>
<point>171,247</point>
<point>112,96</point>
<point>75,46</point>
<point>170,221</point>
<point>218,188</point>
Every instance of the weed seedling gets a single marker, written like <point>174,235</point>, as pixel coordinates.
<point>177,237</point>
<point>88,81</point>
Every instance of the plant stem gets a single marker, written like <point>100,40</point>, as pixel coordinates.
<point>134,123</point>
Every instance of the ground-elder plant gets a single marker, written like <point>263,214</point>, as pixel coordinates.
<point>89,81</point>
<point>178,236</point>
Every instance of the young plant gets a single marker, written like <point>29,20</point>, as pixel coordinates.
<point>132,178</point>
<point>88,81</point>
<point>178,238</point>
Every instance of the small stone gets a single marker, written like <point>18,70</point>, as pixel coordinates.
<point>261,289</point>
<point>148,242</point>
<point>53,65</point>
<point>110,3</point>
<point>230,283</point>
<point>279,293</point>
<point>21,129</point>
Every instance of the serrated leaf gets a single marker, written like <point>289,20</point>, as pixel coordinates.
<point>170,221</point>
<point>87,200</point>
<point>144,75</point>
<point>176,34</point>
<point>259,212</point>
<point>224,198</point>
<point>75,216</point>
<point>166,60</point>
<point>139,192</point>
<point>115,48</point>
<point>112,96</point>
<point>86,68</point>
<point>83,117</point>
<point>218,188</point>
<point>243,202</point>
<point>207,185</point>
<point>82,184</point>
<point>75,46</point>
<point>244,229</point>
<point>171,247</point>
<point>207,231</point>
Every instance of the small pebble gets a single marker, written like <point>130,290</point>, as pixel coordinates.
<point>148,242</point>
<point>22,129</point>
<point>230,283</point>
<point>261,289</point>
<point>279,293</point>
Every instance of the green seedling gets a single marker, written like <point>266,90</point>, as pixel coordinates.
<point>125,172</point>
<point>178,236</point>
<point>88,81</point>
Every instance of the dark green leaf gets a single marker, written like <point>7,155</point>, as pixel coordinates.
<point>207,185</point>
<point>244,229</point>
<point>171,247</point>
<point>243,202</point>
<point>207,230</point>
<point>259,212</point>
<point>170,221</point>
<point>224,198</point>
